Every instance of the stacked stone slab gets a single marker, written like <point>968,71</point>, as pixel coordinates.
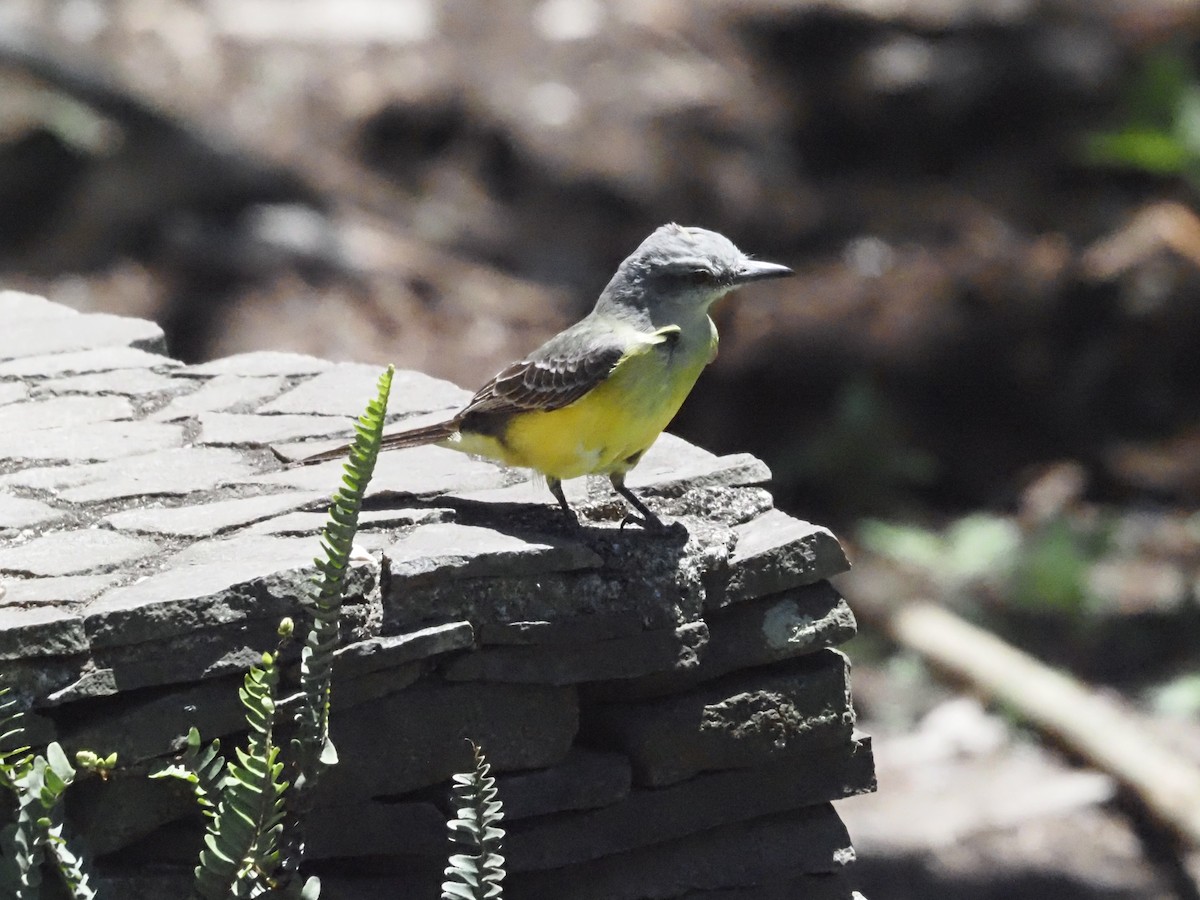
<point>665,713</point>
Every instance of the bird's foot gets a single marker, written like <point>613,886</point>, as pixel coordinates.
<point>651,524</point>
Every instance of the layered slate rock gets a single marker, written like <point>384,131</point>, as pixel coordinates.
<point>665,713</point>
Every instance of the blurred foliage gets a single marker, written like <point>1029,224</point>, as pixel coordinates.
<point>1160,121</point>
<point>1053,574</point>
<point>1045,567</point>
<point>975,550</point>
<point>1180,697</point>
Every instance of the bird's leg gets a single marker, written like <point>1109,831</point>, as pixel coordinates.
<point>649,520</point>
<point>555,485</point>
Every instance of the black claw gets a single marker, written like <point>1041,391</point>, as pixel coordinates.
<point>651,524</point>
<point>647,519</point>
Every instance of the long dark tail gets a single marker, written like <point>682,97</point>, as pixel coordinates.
<point>417,437</point>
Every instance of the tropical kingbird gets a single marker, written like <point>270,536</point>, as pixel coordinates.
<point>593,398</point>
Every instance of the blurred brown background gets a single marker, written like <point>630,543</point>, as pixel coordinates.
<point>986,376</point>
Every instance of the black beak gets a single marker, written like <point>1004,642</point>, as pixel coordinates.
<point>754,270</point>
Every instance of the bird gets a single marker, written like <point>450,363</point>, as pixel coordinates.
<point>593,398</point>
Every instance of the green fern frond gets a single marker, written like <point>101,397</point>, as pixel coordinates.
<point>311,750</point>
<point>12,754</point>
<point>253,843</point>
<point>337,542</point>
<point>68,860</point>
<point>201,767</point>
<point>476,874</point>
<point>37,834</point>
<point>241,843</point>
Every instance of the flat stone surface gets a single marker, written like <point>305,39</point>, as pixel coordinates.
<point>216,394</point>
<point>368,520</point>
<point>381,754</point>
<point>716,503</point>
<point>810,841</point>
<point>775,552</point>
<point>73,552</point>
<point>667,650</point>
<point>239,429</point>
<point>97,441</point>
<point>103,359</point>
<point>260,363</point>
<point>346,389</point>
<point>421,471</point>
<point>735,470</point>
<point>208,519</point>
<point>586,779</point>
<point>649,816</point>
<point>660,578</point>
<point>12,391</point>
<point>62,590</point>
<point>527,490</point>
<point>600,507</point>
<point>672,464</point>
<point>293,451</point>
<point>493,601</point>
<point>78,332</point>
<point>448,550</point>
<point>749,634</point>
<point>34,631</point>
<point>747,719</point>
<point>17,306</point>
<point>124,382</point>
<point>18,512</point>
<point>59,412</point>
<point>396,649</point>
<point>215,582</point>
<point>167,472</point>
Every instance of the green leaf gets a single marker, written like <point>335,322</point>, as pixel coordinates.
<point>1180,698</point>
<point>1153,94</point>
<point>1052,573</point>
<point>1150,150</point>
<point>478,873</point>
<point>981,546</point>
<point>329,755</point>
<point>908,544</point>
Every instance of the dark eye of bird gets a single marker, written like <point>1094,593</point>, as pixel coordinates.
<point>701,276</point>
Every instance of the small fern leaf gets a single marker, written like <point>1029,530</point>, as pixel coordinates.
<point>241,844</point>
<point>337,545</point>
<point>312,752</point>
<point>476,874</point>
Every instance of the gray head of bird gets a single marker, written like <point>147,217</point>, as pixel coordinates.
<point>685,267</point>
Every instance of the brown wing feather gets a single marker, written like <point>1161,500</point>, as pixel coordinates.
<point>543,384</point>
<point>557,375</point>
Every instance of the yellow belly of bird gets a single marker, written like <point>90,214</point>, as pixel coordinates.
<point>605,430</point>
